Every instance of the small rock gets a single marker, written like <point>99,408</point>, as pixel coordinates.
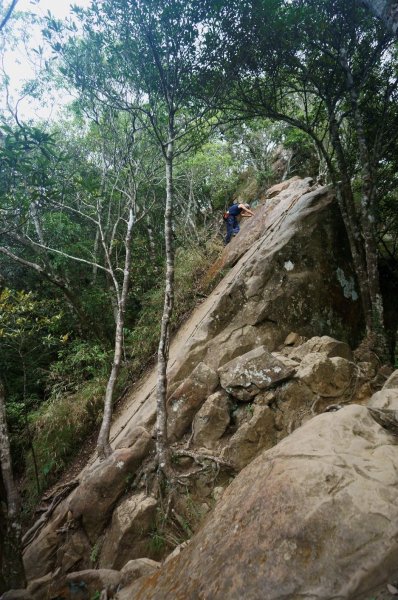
<point>324,344</point>
<point>291,339</point>
<point>217,493</point>
<point>327,377</point>
<point>126,536</point>
<point>212,420</point>
<point>137,568</point>
<point>257,434</point>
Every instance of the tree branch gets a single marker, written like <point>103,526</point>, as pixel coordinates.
<point>8,14</point>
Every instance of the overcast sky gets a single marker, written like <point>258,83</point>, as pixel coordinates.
<point>17,65</point>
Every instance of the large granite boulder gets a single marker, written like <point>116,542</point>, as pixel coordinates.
<point>316,517</point>
<point>288,270</point>
<point>291,271</point>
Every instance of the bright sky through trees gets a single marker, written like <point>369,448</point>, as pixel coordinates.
<point>19,61</point>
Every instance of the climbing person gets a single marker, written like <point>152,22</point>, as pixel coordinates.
<point>231,221</point>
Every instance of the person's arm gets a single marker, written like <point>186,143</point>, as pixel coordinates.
<point>246,212</point>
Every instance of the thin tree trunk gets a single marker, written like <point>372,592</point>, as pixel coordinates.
<point>103,445</point>
<point>28,431</point>
<point>162,447</point>
<point>95,268</point>
<point>13,569</point>
<point>151,238</point>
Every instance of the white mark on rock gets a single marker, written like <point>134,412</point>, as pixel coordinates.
<point>289,266</point>
<point>120,464</point>
<point>347,284</point>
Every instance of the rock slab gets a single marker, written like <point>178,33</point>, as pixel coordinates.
<point>316,517</point>
<point>245,376</point>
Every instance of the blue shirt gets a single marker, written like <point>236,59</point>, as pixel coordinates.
<point>234,210</point>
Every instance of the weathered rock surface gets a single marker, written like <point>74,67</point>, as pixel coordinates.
<point>325,344</point>
<point>75,552</point>
<point>188,398</point>
<point>104,484</point>
<point>84,585</point>
<point>211,420</point>
<point>137,568</point>
<point>258,433</point>
<point>331,378</point>
<point>392,381</point>
<point>40,557</point>
<point>385,399</point>
<point>280,187</point>
<point>126,537</point>
<point>314,517</point>
<point>245,376</point>
<point>291,272</point>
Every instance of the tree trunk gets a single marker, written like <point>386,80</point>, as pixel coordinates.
<point>151,239</point>
<point>368,219</point>
<point>346,202</point>
<point>13,569</point>
<point>103,445</point>
<point>162,447</point>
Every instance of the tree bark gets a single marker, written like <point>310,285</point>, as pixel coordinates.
<point>104,448</point>
<point>368,218</point>
<point>346,202</point>
<point>162,447</point>
<point>8,14</point>
<point>13,569</point>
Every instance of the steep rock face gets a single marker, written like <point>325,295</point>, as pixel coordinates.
<point>292,273</point>
<point>314,517</point>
